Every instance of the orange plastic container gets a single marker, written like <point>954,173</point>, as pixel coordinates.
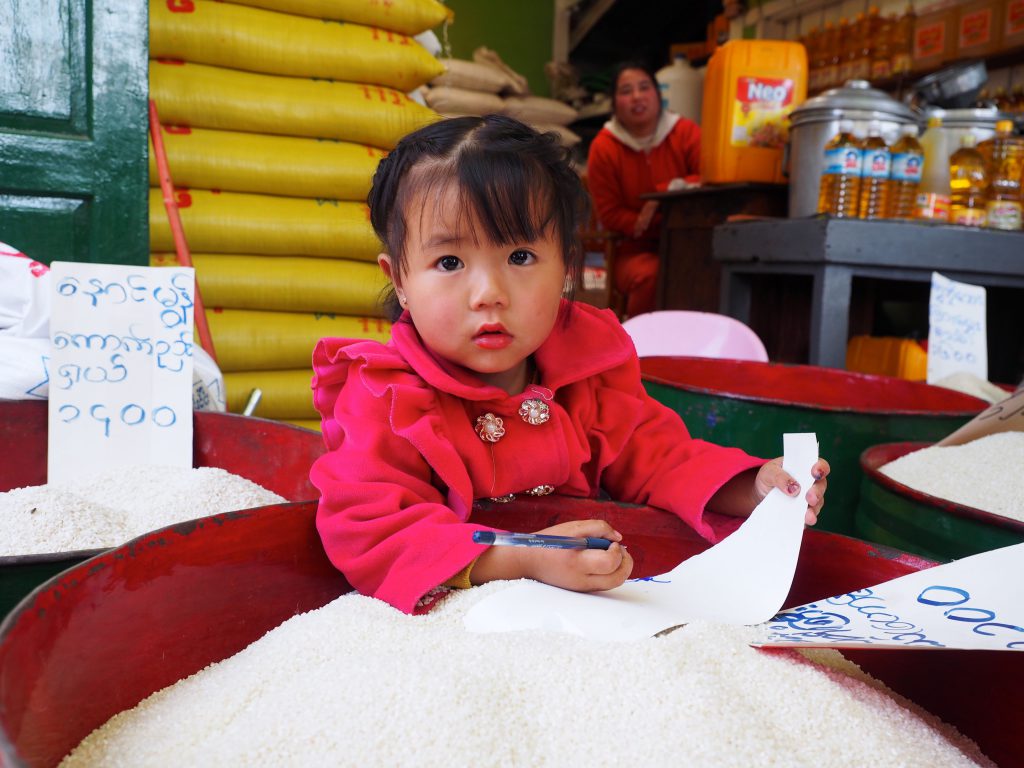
<point>887,356</point>
<point>750,88</point>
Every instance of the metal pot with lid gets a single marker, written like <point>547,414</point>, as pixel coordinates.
<point>956,123</point>
<point>816,121</point>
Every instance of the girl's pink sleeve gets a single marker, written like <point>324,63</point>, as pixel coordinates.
<point>382,521</point>
<point>662,466</point>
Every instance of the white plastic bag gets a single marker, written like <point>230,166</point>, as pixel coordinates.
<point>24,295</point>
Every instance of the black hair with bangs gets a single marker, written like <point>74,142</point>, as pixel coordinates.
<point>516,181</point>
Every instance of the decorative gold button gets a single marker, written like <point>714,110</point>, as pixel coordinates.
<point>504,499</point>
<point>490,428</point>
<point>534,412</point>
<point>540,490</point>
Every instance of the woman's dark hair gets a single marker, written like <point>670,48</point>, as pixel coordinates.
<point>516,181</point>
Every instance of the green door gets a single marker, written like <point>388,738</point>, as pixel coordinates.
<point>73,118</point>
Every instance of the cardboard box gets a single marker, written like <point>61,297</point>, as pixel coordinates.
<point>934,39</point>
<point>1013,23</point>
<point>979,28</point>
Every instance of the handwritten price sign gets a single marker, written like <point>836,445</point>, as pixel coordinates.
<point>957,335</point>
<point>121,368</point>
<point>974,603</point>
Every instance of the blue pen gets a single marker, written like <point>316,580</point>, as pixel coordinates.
<point>494,538</point>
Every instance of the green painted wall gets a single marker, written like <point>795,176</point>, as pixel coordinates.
<point>520,32</point>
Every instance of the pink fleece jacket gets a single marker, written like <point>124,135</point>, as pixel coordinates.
<point>404,463</point>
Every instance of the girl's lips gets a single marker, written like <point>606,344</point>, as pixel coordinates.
<point>492,336</point>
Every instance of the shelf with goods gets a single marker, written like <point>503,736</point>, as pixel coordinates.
<point>846,37</point>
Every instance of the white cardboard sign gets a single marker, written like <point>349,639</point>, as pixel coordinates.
<point>975,603</point>
<point>742,580</point>
<point>121,370</point>
<point>957,334</point>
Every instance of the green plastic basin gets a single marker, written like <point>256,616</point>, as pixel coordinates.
<point>750,405</point>
<point>895,514</point>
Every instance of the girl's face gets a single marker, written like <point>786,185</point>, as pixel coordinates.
<point>483,306</point>
<point>637,102</point>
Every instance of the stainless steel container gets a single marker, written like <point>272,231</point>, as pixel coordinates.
<point>816,121</point>
<point>957,123</point>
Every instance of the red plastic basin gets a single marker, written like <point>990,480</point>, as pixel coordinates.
<point>274,455</point>
<point>102,636</point>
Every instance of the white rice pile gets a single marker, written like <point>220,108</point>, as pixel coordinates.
<point>987,473</point>
<point>119,505</point>
<point>355,683</point>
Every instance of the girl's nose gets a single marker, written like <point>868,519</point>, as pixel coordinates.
<point>488,290</point>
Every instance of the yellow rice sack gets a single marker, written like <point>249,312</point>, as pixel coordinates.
<point>283,394</point>
<point>201,96</point>
<point>313,424</point>
<point>228,35</point>
<point>233,222</point>
<point>270,165</point>
<point>285,283</point>
<point>408,16</point>
<point>250,340</point>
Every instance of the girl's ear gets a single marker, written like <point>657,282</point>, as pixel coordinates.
<point>385,266</point>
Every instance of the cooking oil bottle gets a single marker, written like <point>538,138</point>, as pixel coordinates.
<point>933,191</point>
<point>905,178</point>
<point>876,163</point>
<point>1004,158</point>
<point>901,44</point>
<point>839,192</point>
<point>968,181</point>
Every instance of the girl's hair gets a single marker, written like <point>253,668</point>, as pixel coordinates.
<point>516,181</point>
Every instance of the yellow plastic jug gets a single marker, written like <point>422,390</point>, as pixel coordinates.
<point>750,88</point>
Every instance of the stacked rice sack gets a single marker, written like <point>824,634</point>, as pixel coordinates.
<point>487,85</point>
<point>275,114</point>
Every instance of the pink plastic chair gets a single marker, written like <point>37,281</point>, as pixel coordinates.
<point>693,334</point>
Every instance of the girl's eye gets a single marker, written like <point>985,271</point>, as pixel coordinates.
<point>449,263</point>
<point>521,257</point>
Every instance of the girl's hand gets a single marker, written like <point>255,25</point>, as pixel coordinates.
<point>581,570</point>
<point>772,475</point>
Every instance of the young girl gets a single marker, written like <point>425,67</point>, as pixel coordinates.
<point>493,385</point>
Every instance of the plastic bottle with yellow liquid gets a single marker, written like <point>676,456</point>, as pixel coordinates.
<point>968,182</point>
<point>905,177</point>
<point>829,76</point>
<point>1004,158</point>
<point>839,190</point>
<point>933,191</point>
<point>850,43</point>
<point>901,43</point>
<point>876,164</point>
<point>881,54</point>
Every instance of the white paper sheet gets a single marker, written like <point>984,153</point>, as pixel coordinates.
<point>973,603</point>
<point>121,368</point>
<point>957,335</point>
<point>742,580</point>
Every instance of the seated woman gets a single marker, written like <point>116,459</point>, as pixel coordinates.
<point>640,150</point>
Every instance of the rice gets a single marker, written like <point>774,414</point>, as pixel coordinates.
<point>356,683</point>
<point>987,473</point>
<point>113,507</point>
